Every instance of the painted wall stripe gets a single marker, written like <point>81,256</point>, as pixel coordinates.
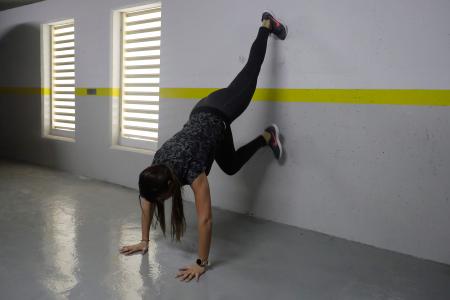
<point>337,96</point>
<point>24,91</point>
<point>343,96</point>
<point>102,92</point>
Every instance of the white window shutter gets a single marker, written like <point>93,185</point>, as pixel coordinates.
<point>63,77</point>
<point>141,40</point>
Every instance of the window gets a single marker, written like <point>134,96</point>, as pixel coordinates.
<point>140,40</point>
<point>59,78</point>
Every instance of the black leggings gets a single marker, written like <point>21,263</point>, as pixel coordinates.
<point>232,101</point>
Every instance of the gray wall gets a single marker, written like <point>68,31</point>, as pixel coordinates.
<point>376,174</point>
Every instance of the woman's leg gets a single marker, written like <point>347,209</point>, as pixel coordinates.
<point>230,160</point>
<point>234,99</point>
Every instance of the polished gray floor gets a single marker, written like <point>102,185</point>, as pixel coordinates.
<point>60,236</point>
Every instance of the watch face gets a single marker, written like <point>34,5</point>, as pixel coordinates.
<point>199,261</point>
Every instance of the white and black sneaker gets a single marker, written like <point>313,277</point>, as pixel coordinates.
<point>277,27</point>
<point>274,142</point>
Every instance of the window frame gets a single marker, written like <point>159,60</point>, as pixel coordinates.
<point>47,83</point>
<point>118,81</point>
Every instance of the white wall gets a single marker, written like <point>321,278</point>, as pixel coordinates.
<point>376,174</point>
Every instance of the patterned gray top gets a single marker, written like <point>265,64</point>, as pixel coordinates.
<point>191,150</point>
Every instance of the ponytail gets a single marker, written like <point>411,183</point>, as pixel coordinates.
<point>178,222</point>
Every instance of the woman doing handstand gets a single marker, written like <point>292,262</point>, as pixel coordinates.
<point>187,157</point>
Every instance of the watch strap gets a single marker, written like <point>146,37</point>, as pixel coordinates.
<point>202,263</point>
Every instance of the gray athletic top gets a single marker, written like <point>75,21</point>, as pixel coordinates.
<point>191,150</point>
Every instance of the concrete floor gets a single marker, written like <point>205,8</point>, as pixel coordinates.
<point>60,236</point>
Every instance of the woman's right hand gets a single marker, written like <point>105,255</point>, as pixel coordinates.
<point>130,249</point>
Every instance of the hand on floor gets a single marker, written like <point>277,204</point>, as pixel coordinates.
<point>141,247</point>
<point>188,273</point>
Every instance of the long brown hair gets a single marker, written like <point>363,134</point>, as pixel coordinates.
<point>157,182</point>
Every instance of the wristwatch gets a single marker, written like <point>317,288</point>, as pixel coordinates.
<point>202,263</point>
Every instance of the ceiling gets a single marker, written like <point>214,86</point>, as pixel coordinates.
<point>7,4</point>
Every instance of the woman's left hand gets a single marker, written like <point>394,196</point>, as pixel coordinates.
<point>188,273</point>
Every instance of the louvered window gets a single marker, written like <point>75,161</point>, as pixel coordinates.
<point>140,69</point>
<point>62,110</point>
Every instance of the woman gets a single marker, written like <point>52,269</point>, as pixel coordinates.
<point>187,157</point>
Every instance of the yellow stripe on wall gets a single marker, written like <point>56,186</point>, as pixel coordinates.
<point>337,96</point>
<point>344,96</point>
<point>24,91</point>
<point>102,92</point>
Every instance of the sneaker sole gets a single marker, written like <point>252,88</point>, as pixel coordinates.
<point>277,136</point>
<point>285,27</point>
<point>279,20</point>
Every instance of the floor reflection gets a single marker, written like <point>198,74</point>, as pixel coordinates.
<point>154,268</point>
<point>59,244</point>
<point>136,270</point>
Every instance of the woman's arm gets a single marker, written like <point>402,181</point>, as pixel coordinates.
<point>200,186</point>
<point>146,220</point>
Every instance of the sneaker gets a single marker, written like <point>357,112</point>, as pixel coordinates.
<point>277,28</point>
<point>274,141</point>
